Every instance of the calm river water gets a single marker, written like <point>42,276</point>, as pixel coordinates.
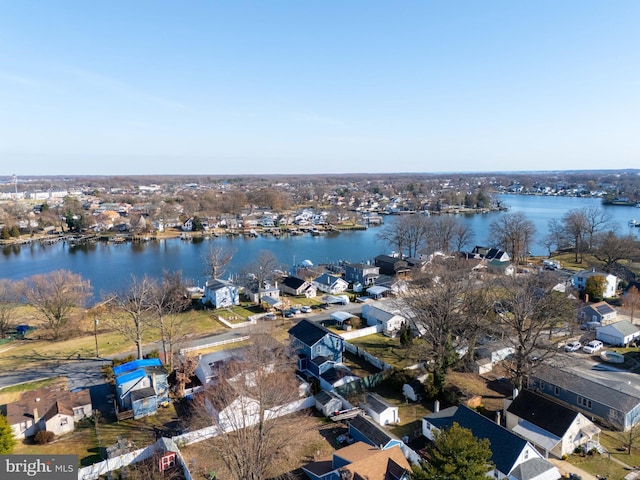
<point>109,267</point>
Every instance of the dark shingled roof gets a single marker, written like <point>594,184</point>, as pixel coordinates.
<point>293,282</point>
<point>375,435</point>
<point>377,403</point>
<point>142,393</point>
<point>505,446</point>
<point>542,412</point>
<point>309,332</point>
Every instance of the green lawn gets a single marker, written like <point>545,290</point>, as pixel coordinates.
<point>388,350</point>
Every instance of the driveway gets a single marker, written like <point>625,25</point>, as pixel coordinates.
<point>567,468</point>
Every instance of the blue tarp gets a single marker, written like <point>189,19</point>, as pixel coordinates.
<point>136,364</point>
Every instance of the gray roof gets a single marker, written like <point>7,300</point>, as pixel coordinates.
<point>377,403</point>
<point>624,327</point>
<point>371,431</point>
<point>530,469</point>
<point>612,392</point>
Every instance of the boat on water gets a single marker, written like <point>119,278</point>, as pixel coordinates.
<point>612,357</point>
<point>633,222</point>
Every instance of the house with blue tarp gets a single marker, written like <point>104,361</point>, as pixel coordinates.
<point>141,386</point>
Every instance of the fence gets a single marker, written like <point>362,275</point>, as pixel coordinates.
<point>250,321</point>
<point>375,361</point>
<point>361,332</point>
<point>214,344</point>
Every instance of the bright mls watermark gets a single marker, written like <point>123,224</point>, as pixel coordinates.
<point>45,467</point>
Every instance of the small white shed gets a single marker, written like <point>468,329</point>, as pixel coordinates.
<point>380,410</point>
<point>621,333</point>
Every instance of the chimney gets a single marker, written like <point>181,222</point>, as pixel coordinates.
<point>436,406</point>
<point>498,417</point>
<point>586,298</point>
<point>515,393</point>
<point>35,416</point>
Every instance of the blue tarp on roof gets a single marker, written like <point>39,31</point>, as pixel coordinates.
<point>129,376</point>
<point>136,364</point>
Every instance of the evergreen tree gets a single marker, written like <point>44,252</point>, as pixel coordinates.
<point>595,287</point>
<point>5,234</point>
<point>15,231</point>
<point>456,455</point>
<point>7,440</point>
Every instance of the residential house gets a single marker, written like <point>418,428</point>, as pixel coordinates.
<point>221,293</point>
<point>620,333</point>
<point>551,427</point>
<point>49,409</point>
<point>210,364</point>
<point>579,282</point>
<point>392,266</point>
<point>385,314</point>
<point>265,292</point>
<point>331,284</point>
<point>187,225</point>
<point>319,352</point>
<point>600,312</point>
<point>490,254</point>
<point>380,410</point>
<point>606,395</point>
<point>141,385</point>
<point>513,456</point>
<point>363,429</point>
<point>361,273</point>
<point>500,267</point>
<point>361,461</point>
<point>297,287</point>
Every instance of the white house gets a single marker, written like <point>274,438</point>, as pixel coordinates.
<point>551,427</point>
<point>331,284</point>
<point>621,333</point>
<point>385,314</point>
<point>381,411</point>
<point>579,281</point>
<point>511,454</point>
<point>221,293</point>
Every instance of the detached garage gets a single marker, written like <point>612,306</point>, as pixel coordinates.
<point>621,333</point>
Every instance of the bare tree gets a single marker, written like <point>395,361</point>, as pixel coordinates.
<point>249,408</point>
<point>434,304</point>
<point>530,309</point>
<point>631,300</point>
<point>596,221</point>
<point>610,249</point>
<point>167,299</point>
<point>513,232</point>
<point>576,227</point>
<point>55,295</point>
<point>463,235</point>
<point>9,301</point>
<point>441,232</point>
<point>216,260</point>
<point>136,306</point>
<point>556,236</point>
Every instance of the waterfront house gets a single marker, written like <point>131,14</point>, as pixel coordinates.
<point>221,293</point>
<point>606,395</point>
<point>48,408</point>
<point>362,273</point>
<point>513,456</point>
<point>263,293</point>
<point>141,386</point>
<point>600,312</point>
<point>554,429</point>
<point>331,284</point>
<point>392,266</point>
<point>361,461</point>
<point>490,254</point>
<point>579,282</point>
<point>297,287</point>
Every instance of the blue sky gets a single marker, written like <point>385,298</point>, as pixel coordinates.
<point>236,87</point>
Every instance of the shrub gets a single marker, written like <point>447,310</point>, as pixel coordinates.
<point>43,437</point>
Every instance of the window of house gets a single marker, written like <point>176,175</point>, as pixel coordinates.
<point>584,402</point>
<point>542,384</point>
<point>78,411</point>
<point>526,454</point>
<point>63,421</point>
<point>556,390</point>
<point>23,426</point>
<point>167,461</point>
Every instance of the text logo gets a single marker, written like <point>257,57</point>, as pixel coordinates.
<point>39,467</point>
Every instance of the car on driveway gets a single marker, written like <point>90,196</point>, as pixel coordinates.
<point>288,314</point>
<point>306,309</point>
<point>572,347</point>
<point>593,346</point>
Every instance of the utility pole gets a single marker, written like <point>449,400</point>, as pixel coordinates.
<point>95,334</point>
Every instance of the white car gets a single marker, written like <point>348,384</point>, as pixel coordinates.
<point>592,347</point>
<point>306,309</point>
<point>572,347</point>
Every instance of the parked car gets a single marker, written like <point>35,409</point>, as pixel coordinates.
<point>288,314</point>
<point>294,310</point>
<point>590,325</point>
<point>306,309</point>
<point>572,347</point>
<point>593,346</point>
<point>270,316</point>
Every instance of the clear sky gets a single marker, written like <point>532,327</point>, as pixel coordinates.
<point>127,87</point>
